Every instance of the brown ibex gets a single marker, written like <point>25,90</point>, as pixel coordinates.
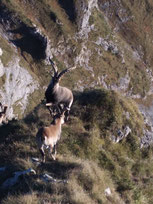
<point>3,114</point>
<point>56,95</point>
<point>47,137</point>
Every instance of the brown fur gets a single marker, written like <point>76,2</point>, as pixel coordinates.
<point>48,136</point>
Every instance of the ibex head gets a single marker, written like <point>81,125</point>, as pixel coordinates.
<point>57,76</point>
<point>60,115</point>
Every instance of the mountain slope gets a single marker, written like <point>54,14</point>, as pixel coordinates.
<point>110,42</point>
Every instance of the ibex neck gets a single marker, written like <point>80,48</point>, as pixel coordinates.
<point>58,126</point>
<point>57,85</point>
<point>58,123</point>
<point>52,87</point>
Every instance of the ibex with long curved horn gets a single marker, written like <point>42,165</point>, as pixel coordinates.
<point>57,95</point>
<point>48,136</point>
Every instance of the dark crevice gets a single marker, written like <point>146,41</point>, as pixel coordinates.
<point>69,7</point>
<point>22,36</point>
<point>30,41</point>
<point>53,17</point>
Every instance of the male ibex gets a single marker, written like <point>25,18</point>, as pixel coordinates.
<point>48,136</point>
<point>56,95</point>
<point>3,114</point>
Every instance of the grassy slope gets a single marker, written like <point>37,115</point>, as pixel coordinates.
<point>134,22</point>
<point>86,156</point>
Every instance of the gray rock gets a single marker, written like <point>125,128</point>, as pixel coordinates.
<point>13,180</point>
<point>122,134</point>
<point>48,178</point>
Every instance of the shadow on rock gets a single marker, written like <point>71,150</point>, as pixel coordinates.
<point>30,41</point>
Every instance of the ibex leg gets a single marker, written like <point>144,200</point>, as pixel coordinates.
<point>49,106</point>
<point>68,106</point>
<point>42,153</point>
<point>60,108</point>
<point>50,110</point>
<point>67,113</point>
<point>51,152</point>
<point>56,110</point>
<point>54,150</point>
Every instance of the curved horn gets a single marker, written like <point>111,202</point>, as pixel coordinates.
<point>55,69</point>
<point>64,71</point>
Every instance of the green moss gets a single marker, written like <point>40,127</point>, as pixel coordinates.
<point>7,52</point>
<point>139,83</point>
<point>102,28</point>
<point>17,110</point>
<point>34,99</point>
<point>2,80</point>
<point>15,8</point>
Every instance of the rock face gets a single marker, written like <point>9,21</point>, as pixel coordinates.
<point>120,135</point>
<point>13,180</point>
<point>85,27</point>
<point>18,85</point>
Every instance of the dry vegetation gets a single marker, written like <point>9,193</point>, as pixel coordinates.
<point>87,158</point>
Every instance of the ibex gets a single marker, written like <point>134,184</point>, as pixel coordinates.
<point>3,113</point>
<point>56,95</point>
<point>47,137</point>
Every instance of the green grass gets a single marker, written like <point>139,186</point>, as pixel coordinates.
<point>87,157</point>
<point>102,27</point>
<point>7,52</point>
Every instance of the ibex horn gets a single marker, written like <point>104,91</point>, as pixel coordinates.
<point>54,66</point>
<point>64,71</point>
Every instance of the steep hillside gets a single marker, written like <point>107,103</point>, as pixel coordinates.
<point>89,159</point>
<point>105,154</point>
